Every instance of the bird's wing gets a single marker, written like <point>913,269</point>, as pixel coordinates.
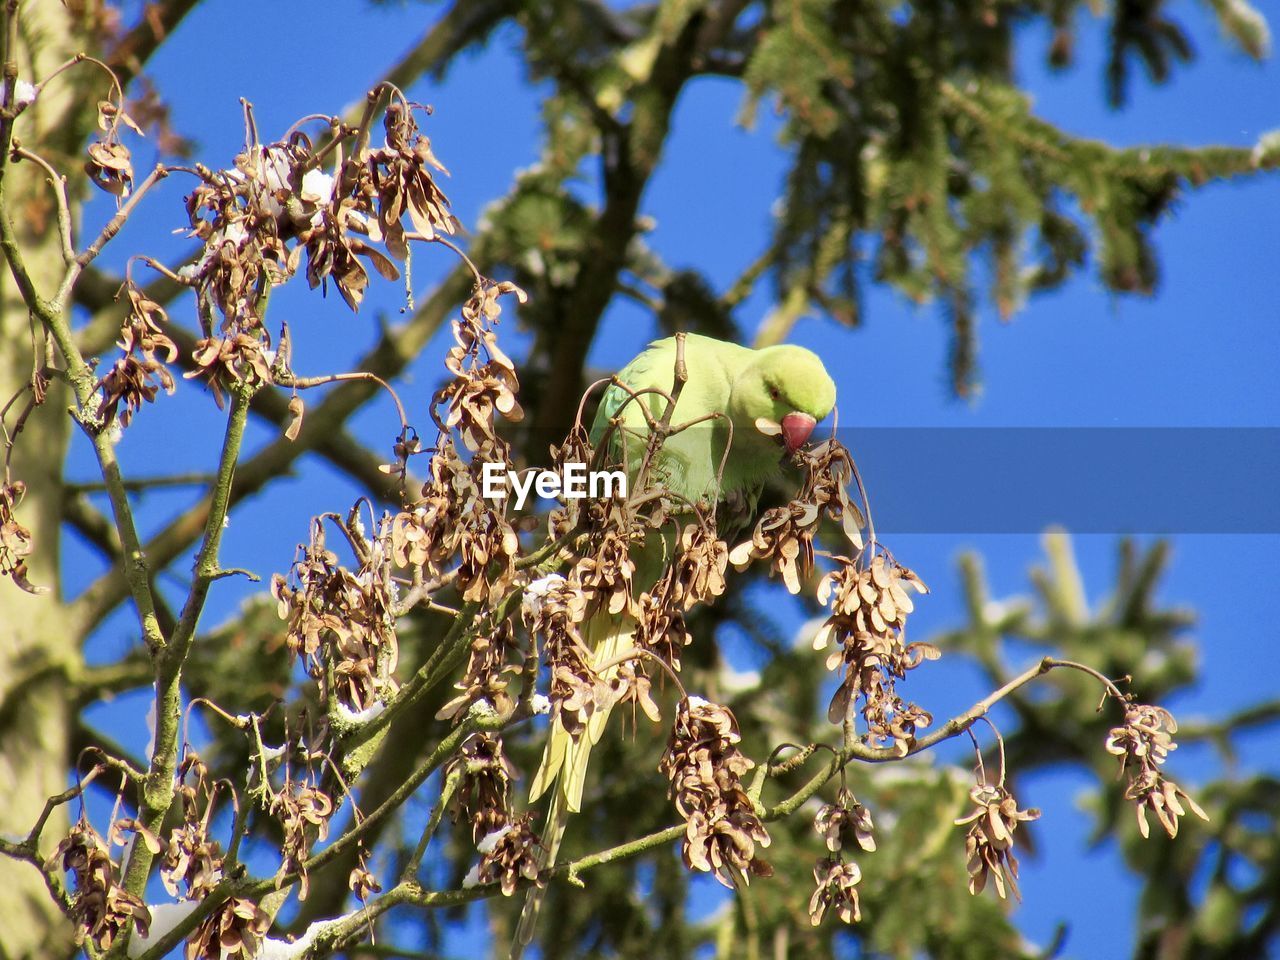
<point>644,371</point>
<point>691,458</point>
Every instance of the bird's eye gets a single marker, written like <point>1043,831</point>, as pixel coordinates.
<point>775,392</point>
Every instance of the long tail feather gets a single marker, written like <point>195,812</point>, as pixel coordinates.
<point>552,834</point>
<point>564,763</point>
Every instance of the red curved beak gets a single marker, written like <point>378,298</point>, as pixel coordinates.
<point>796,429</point>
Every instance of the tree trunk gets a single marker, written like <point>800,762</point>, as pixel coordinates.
<point>39,643</point>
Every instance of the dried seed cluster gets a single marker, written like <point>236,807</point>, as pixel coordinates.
<point>451,520</point>
<point>427,537</point>
<point>836,885</point>
<point>696,575</point>
<point>483,794</point>
<point>869,607</point>
<point>989,842</point>
<point>275,206</point>
<point>508,846</point>
<point>138,374</point>
<point>480,386</point>
<point>192,860</point>
<point>236,359</point>
<point>705,769</point>
<point>631,685</point>
<point>508,855</point>
<point>844,821</point>
<point>553,607</point>
<point>361,880</point>
<point>606,573</point>
<point>451,523</point>
<point>303,810</point>
<point>1143,743</point>
<point>579,514</point>
<point>15,539</point>
<point>343,619</point>
<point>110,165</point>
<point>102,907</point>
<point>661,627</point>
<point>487,549</point>
<point>836,879</point>
<point>234,931</point>
<point>489,672</point>
<point>784,535</point>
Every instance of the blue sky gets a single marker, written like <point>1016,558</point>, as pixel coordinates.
<point>1202,352</point>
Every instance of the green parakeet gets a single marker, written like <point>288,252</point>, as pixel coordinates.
<point>752,403</point>
<point>735,388</point>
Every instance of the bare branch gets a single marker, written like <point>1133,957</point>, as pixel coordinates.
<point>59,184</point>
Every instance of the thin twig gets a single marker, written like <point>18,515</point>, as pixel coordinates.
<point>141,484</point>
<point>307,383</point>
<point>171,656</point>
<point>450,787</point>
<point>642,652</point>
<point>59,184</point>
<point>109,231</point>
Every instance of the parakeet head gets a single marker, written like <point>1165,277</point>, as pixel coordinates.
<point>786,385</point>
